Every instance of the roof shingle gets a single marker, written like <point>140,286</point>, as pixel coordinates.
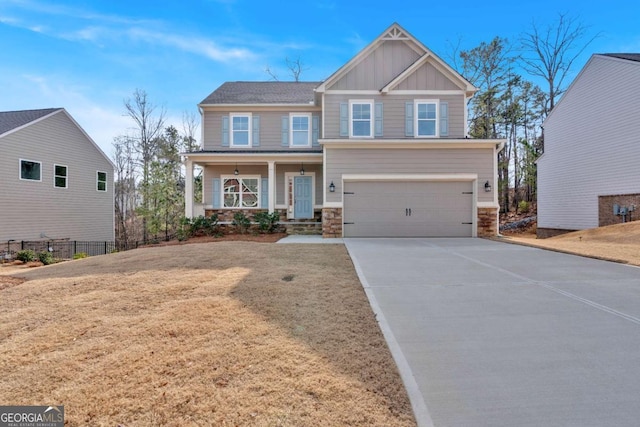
<point>263,93</point>
<point>10,120</point>
<point>627,56</point>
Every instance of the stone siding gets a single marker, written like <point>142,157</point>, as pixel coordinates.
<point>332,222</point>
<point>605,208</point>
<point>291,226</point>
<point>487,222</point>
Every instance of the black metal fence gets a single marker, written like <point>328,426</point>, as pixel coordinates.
<point>60,249</point>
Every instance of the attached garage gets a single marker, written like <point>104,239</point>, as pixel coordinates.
<point>408,208</point>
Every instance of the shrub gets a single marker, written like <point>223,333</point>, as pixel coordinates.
<point>46,258</point>
<point>80,255</point>
<point>26,255</point>
<point>199,226</point>
<point>524,206</point>
<point>267,222</point>
<point>241,222</point>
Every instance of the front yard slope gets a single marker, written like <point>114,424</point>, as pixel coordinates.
<point>227,334</point>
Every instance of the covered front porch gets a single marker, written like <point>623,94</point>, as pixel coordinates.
<point>290,184</point>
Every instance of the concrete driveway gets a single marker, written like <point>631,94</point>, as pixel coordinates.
<point>493,334</point>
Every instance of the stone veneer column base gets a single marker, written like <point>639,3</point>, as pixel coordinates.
<point>488,222</point>
<point>331,222</point>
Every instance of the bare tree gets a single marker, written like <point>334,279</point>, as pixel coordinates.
<point>551,51</point>
<point>295,67</point>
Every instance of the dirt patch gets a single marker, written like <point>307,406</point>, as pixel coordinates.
<point>225,333</point>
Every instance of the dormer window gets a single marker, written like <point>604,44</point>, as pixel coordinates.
<point>361,113</point>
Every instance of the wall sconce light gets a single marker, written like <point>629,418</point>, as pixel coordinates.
<point>332,187</point>
<point>487,187</point>
<point>236,171</point>
<point>302,169</point>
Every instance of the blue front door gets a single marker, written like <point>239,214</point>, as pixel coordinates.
<point>303,197</point>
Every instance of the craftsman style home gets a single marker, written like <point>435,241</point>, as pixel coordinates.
<point>588,175</point>
<point>378,149</point>
<point>56,182</point>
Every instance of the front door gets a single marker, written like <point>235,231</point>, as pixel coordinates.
<point>303,197</point>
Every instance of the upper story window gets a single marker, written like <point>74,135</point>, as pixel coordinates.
<point>240,130</point>
<point>300,130</point>
<point>30,170</point>
<point>101,181</point>
<point>426,118</point>
<point>361,113</point>
<point>60,176</point>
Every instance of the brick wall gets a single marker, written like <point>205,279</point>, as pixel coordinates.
<point>332,222</point>
<point>605,208</point>
<point>487,222</point>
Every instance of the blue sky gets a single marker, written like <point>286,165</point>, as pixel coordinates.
<point>89,56</point>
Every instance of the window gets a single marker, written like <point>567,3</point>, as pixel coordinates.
<point>240,130</point>
<point>300,130</point>
<point>361,119</point>
<point>240,192</point>
<point>102,181</point>
<point>59,176</point>
<point>426,118</point>
<point>30,170</point>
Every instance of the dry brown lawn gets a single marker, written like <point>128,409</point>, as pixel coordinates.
<point>620,242</point>
<point>228,334</point>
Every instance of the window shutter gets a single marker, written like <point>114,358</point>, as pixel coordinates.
<point>285,131</point>
<point>444,119</point>
<point>255,135</point>
<point>315,131</point>
<point>378,119</point>
<point>264,193</point>
<point>344,119</point>
<point>408,119</point>
<point>216,193</point>
<point>225,131</point>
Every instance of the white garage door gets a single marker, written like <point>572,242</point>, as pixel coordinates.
<point>408,209</point>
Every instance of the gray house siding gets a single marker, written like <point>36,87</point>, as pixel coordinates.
<point>409,161</point>
<point>427,76</point>
<point>591,145</point>
<point>30,208</point>
<point>394,113</point>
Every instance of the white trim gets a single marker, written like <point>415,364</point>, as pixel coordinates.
<point>418,102</point>
<point>290,206</point>
<point>106,181</point>
<point>309,129</point>
<point>249,129</point>
<point>411,177</point>
<point>20,170</point>
<point>332,205</point>
<point>371,104</point>
<point>427,92</point>
<point>488,205</point>
<point>240,177</point>
<point>66,177</point>
<point>412,143</point>
<point>208,107</point>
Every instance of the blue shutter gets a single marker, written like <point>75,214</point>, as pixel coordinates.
<point>344,119</point>
<point>315,131</point>
<point>378,119</point>
<point>285,131</point>
<point>225,131</point>
<point>255,137</point>
<point>216,193</point>
<point>408,119</point>
<point>444,119</point>
<point>264,193</point>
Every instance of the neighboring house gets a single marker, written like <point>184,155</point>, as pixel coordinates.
<point>55,181</point>
<point>591,159</point>
<point>380,148</point>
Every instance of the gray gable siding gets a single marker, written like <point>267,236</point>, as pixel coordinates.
<point>427,76</point>
<point>10,120</point>
<point>591,145</point>
<point>78,212</point>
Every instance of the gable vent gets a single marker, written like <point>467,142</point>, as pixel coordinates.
<point>395,34</point>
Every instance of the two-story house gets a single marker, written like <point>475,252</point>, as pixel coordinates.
<point>378,149</point>
<point>56,182</point>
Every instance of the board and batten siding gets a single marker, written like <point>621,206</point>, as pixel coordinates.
<point>592,145</point>
<point>427,77</point>
<point>270,130</point>
<point>30,208</point>
<point>409,161</point>
<point>379,67</point>
<point>394,107</point>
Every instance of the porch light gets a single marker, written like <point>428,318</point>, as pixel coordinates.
<point>332,187</point>
<point>487,187</point>
<point>302,169</point>
<point>236,171</point>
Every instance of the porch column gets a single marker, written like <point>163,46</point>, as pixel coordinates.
<point>188,189</point>
<point>272,186</point>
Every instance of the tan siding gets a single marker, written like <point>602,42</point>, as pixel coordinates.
<point>409,161</point>
<point>427,77</point>
<point>381,66</point>
<point>78,212</point>
<point>394,113</point>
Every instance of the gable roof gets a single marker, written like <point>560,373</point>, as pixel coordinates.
<point>10,120</point>
<point>627,56</point>
<point>251,93</point>
<point>396,32</point>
